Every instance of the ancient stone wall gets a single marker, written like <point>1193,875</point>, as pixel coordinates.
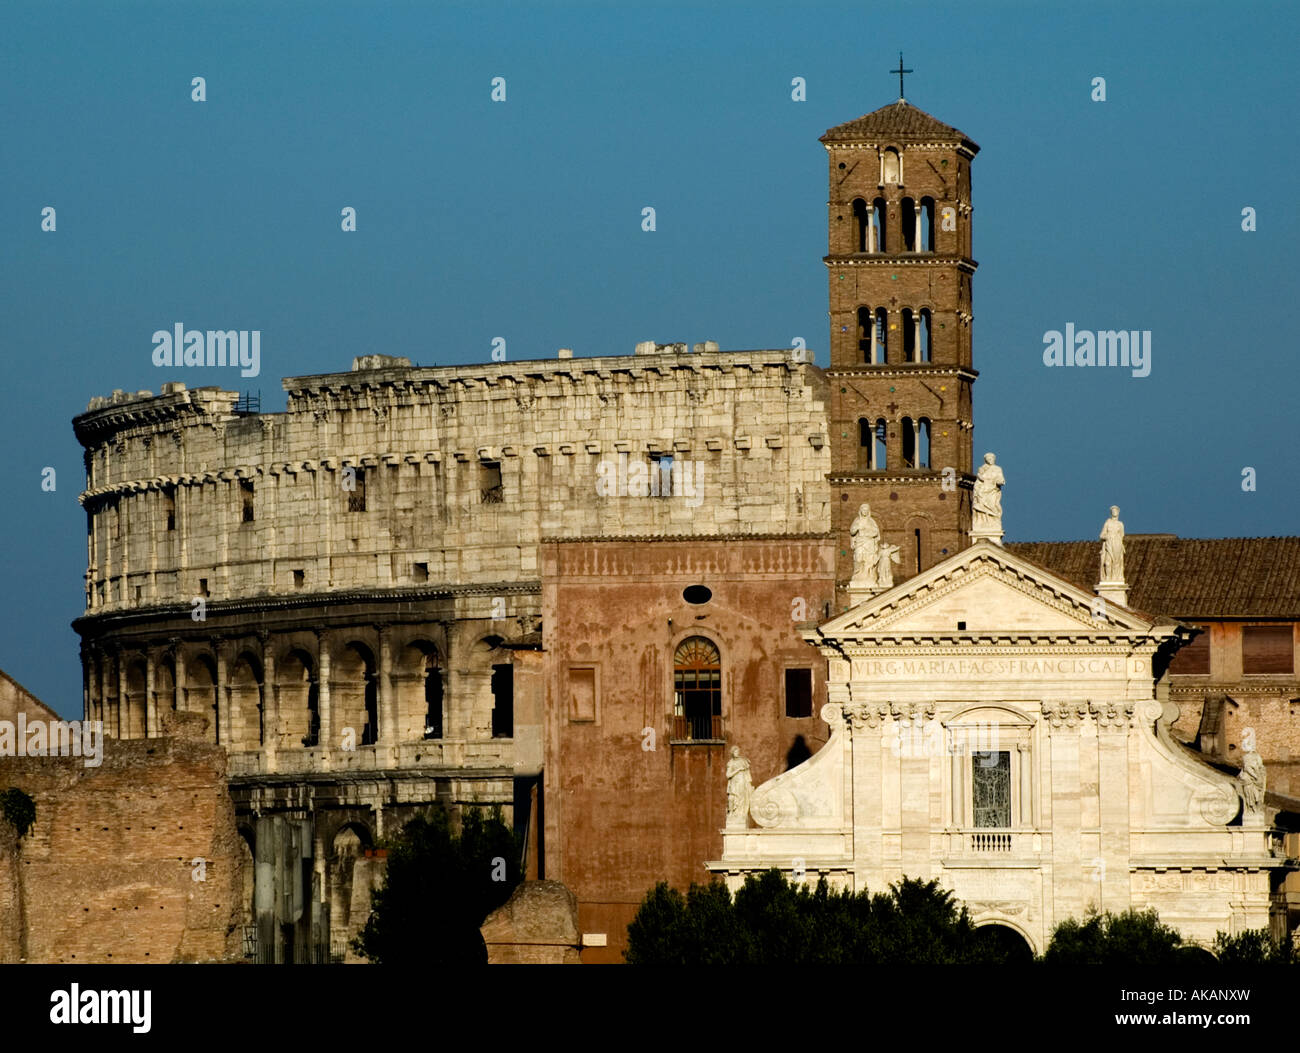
<point>106,874</point>
<point>455,472</point>
<point>15,699</point>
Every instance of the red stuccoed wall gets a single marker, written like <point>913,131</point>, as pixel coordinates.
<point>620,818</point>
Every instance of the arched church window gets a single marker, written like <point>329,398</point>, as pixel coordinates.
<point>862,223</point>
<point>909,224</point>
<point>867,334</point>
<point>891,167</point>
<point>925,241</point>
<point>878,224</point>
<point>697,690</point>
<point>923,442</point>
<point>880,460</point>
<point>909,442</point>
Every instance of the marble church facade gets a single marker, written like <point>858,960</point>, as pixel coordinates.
<point>1000,729</point>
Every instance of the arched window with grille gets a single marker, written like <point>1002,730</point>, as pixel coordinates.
<point>697,691</point>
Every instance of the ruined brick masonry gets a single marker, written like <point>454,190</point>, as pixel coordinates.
<point>106,874</point>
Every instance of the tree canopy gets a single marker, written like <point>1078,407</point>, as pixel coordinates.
<point>438,889</point>
<point>773,922</point>
<point>1133,937</point>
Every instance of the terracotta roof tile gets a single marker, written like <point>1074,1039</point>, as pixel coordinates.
<point>1233,577</point>
<point>899,121</point>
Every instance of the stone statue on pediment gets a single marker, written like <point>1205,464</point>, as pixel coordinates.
<point>740,788</point>
<point>1112,547</point>
<point>986,501</point>
<point>864,535</point>
<point>1253,779</point>
<point>884,568</point>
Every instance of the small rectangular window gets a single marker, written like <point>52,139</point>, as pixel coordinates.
<point>1193,659</point>
<point>1267,649</point>
<point>503,701</point>
<point>991,789</point>
<point>203,586</point>
<point>246,492</point>
<point>169,507</point>
<point>582,694</point>
<point>661,475</point>
<point>798,693</point>
<point>420,571</point>
<point>357,495</point>
<point>299,578</point>
<point>489,482</point>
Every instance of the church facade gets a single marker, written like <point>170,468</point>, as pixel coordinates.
<point>997,728</point>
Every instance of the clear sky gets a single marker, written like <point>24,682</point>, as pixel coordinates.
<point>522,220</point>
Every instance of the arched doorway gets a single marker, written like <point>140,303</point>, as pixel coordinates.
<point>1008,943</point>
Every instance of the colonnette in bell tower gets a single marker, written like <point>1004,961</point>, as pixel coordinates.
<point>900,269</point>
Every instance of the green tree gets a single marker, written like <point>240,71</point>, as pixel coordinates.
<point>773,922</point>
<point>1254,947</point>
<point>1133,937</point>
<point>438,889</point>
<point>19,809</point>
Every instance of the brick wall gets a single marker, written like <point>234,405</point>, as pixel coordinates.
<point>106,873</point>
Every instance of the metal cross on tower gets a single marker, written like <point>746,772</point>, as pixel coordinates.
<point>900,71</point>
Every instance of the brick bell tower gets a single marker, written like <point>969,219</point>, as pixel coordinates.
<point>900,373</point>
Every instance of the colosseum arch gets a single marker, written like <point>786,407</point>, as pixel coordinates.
<point>248,853</point>
<point>247,698</point>
<point>164,687</point>
<point>490,686</point>
<point>419,688</point>
<point>354,693</point>
<point>203,694</point>
<point>298,691</point>
<point>349,905</point>
<point>135,716</point>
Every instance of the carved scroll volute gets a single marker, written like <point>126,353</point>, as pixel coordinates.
<point>774,806</point>
<point>1219,805</point>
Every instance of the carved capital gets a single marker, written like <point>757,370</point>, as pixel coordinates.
<point>1065,714</point>
<point>1112,714</point>
<point>866,714</point>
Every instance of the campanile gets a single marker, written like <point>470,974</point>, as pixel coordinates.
<point>900,270</point>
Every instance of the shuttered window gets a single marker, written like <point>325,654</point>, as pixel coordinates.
<point>1267,649</point>
<point>1193,659</point>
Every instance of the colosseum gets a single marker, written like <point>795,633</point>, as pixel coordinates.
<point>350,592</point>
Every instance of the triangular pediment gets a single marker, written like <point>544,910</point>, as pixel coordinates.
<point>985,591</point>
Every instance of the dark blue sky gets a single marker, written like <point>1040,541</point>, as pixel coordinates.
<point>522,220</point>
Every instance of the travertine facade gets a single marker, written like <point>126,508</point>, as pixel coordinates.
<point>351,589</point>
<point>992,730</point>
